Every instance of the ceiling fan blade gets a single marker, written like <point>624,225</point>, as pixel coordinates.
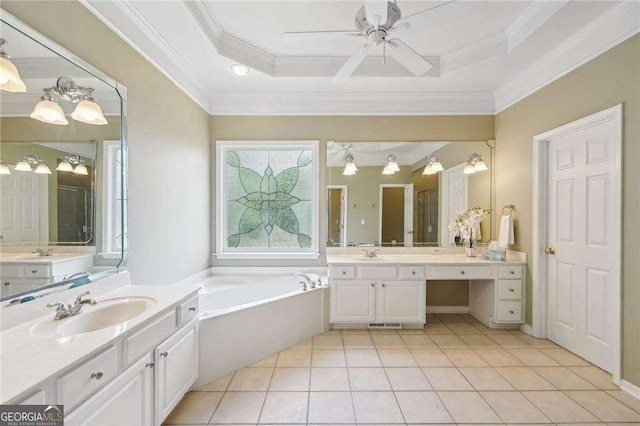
<point>397,29</point>
<point>436,14</point>
<point>408,58</point>
<point>319,36</point>
<point>352,63</point>
<point>375,8</point>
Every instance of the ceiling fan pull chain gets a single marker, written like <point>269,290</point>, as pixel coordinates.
<point>384,52</point>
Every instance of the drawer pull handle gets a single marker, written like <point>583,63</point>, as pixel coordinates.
<point>512,272</point>
<point>413,272</point>
<point>383,285</point>
<point>98,375</point>
<point>344,272</point>
<point>151,364</point>
<point>164,354</point>
<point>35,271</point>
<point>511,290</point>
<point>462,272</point>
<point>193,308</point>
<point>373,284</point>
<point>510,311</point>
<point>7,283</point>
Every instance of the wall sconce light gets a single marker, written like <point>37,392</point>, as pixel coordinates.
<point>10,80</point>
<point>474,164</point>
<point>48,110</point>
<point>433,165</point>
<point>350,168</point>
<point>67,163</point>
<point>4,168</point>
<point>392,166</point>
<point>27,161</point>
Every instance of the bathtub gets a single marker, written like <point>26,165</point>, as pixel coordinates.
<point>245,317</point>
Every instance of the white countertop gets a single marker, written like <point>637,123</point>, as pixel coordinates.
<point>26,361</point>
<point>416,259</point>
<point>19,258</point>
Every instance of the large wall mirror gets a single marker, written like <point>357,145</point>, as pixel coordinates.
<point>62,168</point>
<point>405,193</point>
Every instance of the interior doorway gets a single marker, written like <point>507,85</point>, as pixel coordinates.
<point>396,201</point>
<point>427,217</point>
<point>337,215</point>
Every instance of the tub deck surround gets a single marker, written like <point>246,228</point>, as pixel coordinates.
<point>27,361</point>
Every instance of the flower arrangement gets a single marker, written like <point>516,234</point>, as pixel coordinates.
<point>466,222</point>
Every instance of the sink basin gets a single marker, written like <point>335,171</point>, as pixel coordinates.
<point>107,313</point>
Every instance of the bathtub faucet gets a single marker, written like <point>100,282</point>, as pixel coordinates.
<point>312,283</point>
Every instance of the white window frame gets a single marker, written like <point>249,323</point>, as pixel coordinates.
<point>111,205</point>
<point>222,252</point>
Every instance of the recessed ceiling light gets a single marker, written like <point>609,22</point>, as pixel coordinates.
<point>239,69</point>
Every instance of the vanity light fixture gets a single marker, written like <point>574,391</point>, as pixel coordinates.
<point>391,166</point>
<point>81,169</point>
<point>4,168</point>
<point>42,169</point>
<point>239,69</point>
<point>474,164</point>
<point>433,165</point>
<point>87,111</point>
<point>67,163</point>
<point>350,168</point>
<point>27,161</point>
<point>48,110</point>
<point>10,80</point>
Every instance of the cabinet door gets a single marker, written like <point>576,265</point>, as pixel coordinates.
<point>125,401</point>
<point>176,369</point>
<point>401,301</point>
<point>353,301</point>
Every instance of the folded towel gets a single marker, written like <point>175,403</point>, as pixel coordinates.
<point>505,236</point>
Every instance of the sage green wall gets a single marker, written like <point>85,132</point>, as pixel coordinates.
<point>168,145</point>
<point>610,79</point>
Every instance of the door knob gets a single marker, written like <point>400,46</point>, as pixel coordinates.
<point>550,250</point>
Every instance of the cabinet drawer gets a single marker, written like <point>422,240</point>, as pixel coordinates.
<point>377,272</point>
<point>344,272</point>
<point>82,381</point>
<point>187,310</point>
<point>510,311</point>
<point>36,271</point>
<point>142,341</point>
<point>411,272</point>
<point>509,289</point>
<point>461,272</point>
<point>12,271</point>
<point>510,272</point>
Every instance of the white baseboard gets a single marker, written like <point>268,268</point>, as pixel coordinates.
<point>630,388</point>
<point>527,329</point>
<point>448,309</point>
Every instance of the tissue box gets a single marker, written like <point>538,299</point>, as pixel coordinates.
<point>499,255</point>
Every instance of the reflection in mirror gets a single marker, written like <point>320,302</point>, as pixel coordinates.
<point>62,169</point>
<point>368,204</point>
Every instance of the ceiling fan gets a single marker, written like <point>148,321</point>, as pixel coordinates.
<point>378,22</point>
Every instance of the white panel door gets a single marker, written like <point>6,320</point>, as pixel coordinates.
<point>401,301</point>
<point>453,197</point>
<point>408,215</point>
<point>20,206</point>
<point>353,301</point>
<point>580,230</point>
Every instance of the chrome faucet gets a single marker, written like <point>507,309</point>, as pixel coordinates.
<point>70,310</point>
<point>312,283</point>
<point>43,253</point>
<point>370,254</point>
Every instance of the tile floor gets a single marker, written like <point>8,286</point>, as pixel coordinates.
<point>455,370</point>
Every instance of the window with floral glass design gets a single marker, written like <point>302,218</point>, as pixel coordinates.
<point>267,198</point>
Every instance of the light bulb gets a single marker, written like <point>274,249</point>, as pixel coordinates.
<point>437,167</point>
<point>469,169</point>
<point>350,169</point>
<point>428,170</point>
<point>64,167</point>
<point>480,166</point>
<point>387,170</point>
<point>4,168</point>
<point>23,166</point>
<point>42,169</point>
<point>10,80</point>
<point>81,169</point>
<point>88,111</point>
<point>49,111</point>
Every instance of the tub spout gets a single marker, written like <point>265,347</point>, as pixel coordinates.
<point>310,281</point>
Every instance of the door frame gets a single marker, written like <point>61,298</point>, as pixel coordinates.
<point>443,202</point>
<point>540,223</point>
<point>381,190</point>
<point>343,208</point>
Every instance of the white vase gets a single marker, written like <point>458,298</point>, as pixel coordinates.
<point>470,251</point>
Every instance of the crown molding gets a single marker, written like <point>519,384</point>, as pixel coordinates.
<point>606,32</point>
<point>530,21</point>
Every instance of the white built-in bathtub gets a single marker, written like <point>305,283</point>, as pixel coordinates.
<point>245,318</point>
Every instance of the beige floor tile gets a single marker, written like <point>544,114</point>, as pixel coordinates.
<point>331,407</point>
<point>563,378</point>
<point>464,358</point>
<point>446,379</point>
<point>354,331</point>
<point>285,407</point>
<point>368,379</point>
<point>559,407</point>
<point>239,407</point>
<point>269,361</point>
<point>468,407</point>
<point>437,328</point>
<point>396,358</point>
<point>533,358</point>
<point>294,358</point>
<point>330,379</point>
<point>509,341</point>
<point>407,379</point>
<point>564,357</point>
<point>362,358</point>
<point>195,407</point>
<point>358,341</point>
<point>219,385</point>
<point>290,379</point>
<point>451,318</point>
<point>487,330</point>
<point>422,407</point>
<point>478,341</point>
<point>332,332</point>
<point>626,399</point>
<point>470,318</point>
<point>432,318</point>
<point>251,379</point>
<point>377,331</point>
<point>376,407</point>
<point>328,341</point>
<point>418,341</point>
<point>462,328</point>
<point>328,358</point>
<point>404,331</point>
<point>512,407</point>
<point>596,376</point>
<point>604,406</point>
<point>386,341</point>
<point>538,343</point>
<point>485,378</point>
<point>430,358</point>
<point>498,358</point>
<point>524,378</point>
<point>448,341</point>
<point>302,345</point>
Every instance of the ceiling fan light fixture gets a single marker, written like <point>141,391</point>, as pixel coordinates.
<point>240,70</point>
<point>10,80</point>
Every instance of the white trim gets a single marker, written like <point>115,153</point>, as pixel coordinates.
<point>527,329</point>
<point>344,206</point>
<point>448,309</point>
<point>387,185</point>
<point>630,388</point>
<point>540,200</point>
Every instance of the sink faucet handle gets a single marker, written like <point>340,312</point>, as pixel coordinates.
<point>80,296</point>
<point>58,305</point>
